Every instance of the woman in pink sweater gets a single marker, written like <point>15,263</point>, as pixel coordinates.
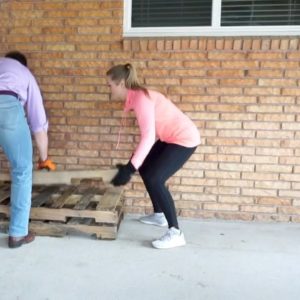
<point>168,139</point>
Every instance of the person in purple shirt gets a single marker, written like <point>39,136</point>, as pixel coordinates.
<point>21,112</point>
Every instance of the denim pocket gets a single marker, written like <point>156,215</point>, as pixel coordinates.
<point>10,116</point>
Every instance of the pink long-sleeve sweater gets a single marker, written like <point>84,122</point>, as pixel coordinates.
<point>159,118</point>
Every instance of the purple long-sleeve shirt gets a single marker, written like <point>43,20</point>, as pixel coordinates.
<point>17,78</point>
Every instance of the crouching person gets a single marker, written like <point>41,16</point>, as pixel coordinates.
<point>168,139</point>
<point>19,93</point>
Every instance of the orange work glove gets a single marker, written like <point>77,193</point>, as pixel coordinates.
<point>46,164</point>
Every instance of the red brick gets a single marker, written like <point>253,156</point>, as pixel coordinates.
<point>193,44</point>
<point>202,44</point>
<point>221,207</point>
<point>284,44</point>
<point>260,193</point>
<point>291,91</point>
<point>226,55</point>
<point>277,100</point>
<point>238,82</point>
<point>201,64</point>
<point>259,176</point>
<point>262,91</point>
<point>275,44</point>
<point>225,73</point>
<point>280,64</point>
<point>238,116</point>
<point>277,73</point>
<point>224,91</point>
<point>267,55</point>
<point>273,201</point>
<point>235,216</point>
<point>228,44</point>
<point>277,82</point>
<point>266,44</point>
<point>83,6</point>
<point>242,65</point>
<point>235,200</point>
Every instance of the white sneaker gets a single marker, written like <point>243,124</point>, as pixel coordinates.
<point>172,238</point>
<point>157,219</point>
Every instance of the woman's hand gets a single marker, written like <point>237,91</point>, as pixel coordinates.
<point>124,174</point>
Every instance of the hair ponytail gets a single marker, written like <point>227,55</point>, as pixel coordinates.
<point>128,73</point>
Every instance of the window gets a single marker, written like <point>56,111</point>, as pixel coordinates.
<point>211,17</point>
<point>157,13</point>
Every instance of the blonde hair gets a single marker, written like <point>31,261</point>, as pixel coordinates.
<point>128,73</point>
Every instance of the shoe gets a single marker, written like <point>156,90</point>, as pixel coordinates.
<point>157,219</point>
<point>171,239</point>
<point>15,242</point>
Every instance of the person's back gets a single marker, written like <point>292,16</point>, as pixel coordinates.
<point>17,78</point>
<point>13,76</point>
<point>173,126</point>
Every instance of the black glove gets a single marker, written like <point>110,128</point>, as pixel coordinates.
<point>124,174</point>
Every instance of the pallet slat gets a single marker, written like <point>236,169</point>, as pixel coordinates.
<point>4,191</point>
<point>60,201</point>
<point>87,206</point>
<point>60,230</point>
<point>4,195</point>
<point>84,200</point>
<point>82,204</point>
<point>44,196</point>
<point>65,177</point>
<point>110,199</point>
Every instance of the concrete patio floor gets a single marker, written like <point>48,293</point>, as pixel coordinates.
<point>222,260</point>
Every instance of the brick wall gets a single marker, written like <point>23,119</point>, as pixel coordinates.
<point>243,94</point>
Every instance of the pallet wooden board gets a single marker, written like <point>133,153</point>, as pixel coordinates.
<point>87,206</point>
<point>66,177</point>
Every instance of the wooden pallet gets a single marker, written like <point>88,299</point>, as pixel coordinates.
<point>87,206</point>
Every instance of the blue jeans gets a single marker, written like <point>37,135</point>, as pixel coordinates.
<point>15,140</point>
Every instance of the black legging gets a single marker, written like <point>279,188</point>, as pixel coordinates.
<point>160,164</point>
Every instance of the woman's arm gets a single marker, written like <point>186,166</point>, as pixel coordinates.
<point>144,108</point>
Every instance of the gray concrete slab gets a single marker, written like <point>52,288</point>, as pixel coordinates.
<point>222,260</point>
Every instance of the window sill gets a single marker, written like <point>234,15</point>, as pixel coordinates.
<point>211,32</point>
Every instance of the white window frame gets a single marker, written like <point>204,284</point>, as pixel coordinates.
<point>214,30</point>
